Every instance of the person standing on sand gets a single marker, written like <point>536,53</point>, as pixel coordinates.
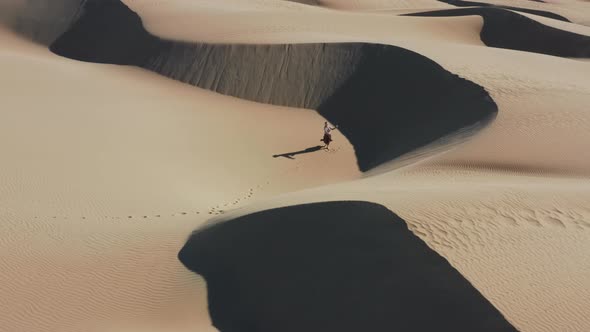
<point>327,135</point>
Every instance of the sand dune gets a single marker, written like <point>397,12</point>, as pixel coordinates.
<point>40,20</point>
<point>567,26</point>
<point>573,10</point>
<point>490,68</point>
<point>379,4</point>
<point>536,114</point>
<point>344,82</point>
<point>206,21</point>
<point>390,278</point>
<point>99,188</point>
<point>520,239</point>
<point>107,169</point>
<point>537,12</point>
<point>506,29</point>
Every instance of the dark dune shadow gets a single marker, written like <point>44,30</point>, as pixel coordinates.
<point>107,32</point>
<point>291,155</point>
<point>308,2</point>
<point>461,3</point>
<point>337,266</point>
<point>387,100</point>
<point>397,101</point>
<point>505,29</point>
<point>442,144</point>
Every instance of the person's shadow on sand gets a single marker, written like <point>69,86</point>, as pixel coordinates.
<point>291,155</point>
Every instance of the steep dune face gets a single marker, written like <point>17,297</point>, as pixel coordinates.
<point>308,2</point>
<point>384,113</point>
<point>107,169</point>
<point>40,20</point>
<point>382,4</point>
<point>541,106</point>
<point>544,13</point>
<point>371,91</point>
<point>522,94</point>
<point>574,10</point>
<point>520,238</point>
<point>506,29</point>
<point>299,268</point>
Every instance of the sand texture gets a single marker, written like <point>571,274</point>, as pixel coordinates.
<point>162,168</point>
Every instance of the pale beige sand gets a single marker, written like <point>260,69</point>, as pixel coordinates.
<point>537,105</point>
<point>567,26</point>
<point>184,20</point>
<point>104,171</point>
<point>39,20</point>
<point>574,10</point>
<point>92,145</point>
<point>382,4</point>
<point>522,240</point>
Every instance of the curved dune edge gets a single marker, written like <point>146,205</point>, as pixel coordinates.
<point>371,91</point>
<point>461,3</point>
<point>505,29</point>
<point>521,239</point>
<point>561,25</point>
<point>331,266</point>
<point>42,21</point>
<point>308,2</point>
<point>109,168</point>
<point>375,4</point>
<point>540,110</point>
<point>500,230</point>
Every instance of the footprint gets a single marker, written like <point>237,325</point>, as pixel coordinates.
<point>533,221</point>
<point>510,220</point>
<point>555,221</point>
